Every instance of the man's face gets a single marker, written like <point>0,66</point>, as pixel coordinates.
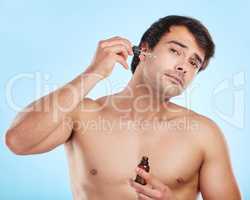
<point>177,54</point>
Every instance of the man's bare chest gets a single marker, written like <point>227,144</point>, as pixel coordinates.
<point>110,151</point>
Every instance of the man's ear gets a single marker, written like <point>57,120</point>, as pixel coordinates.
<point>141,57</point>
<point>144,48</point>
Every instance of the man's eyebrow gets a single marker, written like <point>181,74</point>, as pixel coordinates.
<point>185,46</point>
<point>178,43</point>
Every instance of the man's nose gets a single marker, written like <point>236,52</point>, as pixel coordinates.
<point>181,69</point>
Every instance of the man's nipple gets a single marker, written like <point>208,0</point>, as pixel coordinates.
<point>93,172</point>
<point>180,180</point>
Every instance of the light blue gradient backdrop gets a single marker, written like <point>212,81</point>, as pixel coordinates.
<point>58,38</point>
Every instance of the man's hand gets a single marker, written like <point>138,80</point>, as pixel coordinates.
<point>108,53</point>
<point>154,189</point>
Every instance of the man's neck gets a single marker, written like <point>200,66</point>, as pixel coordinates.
<point>141,98</point>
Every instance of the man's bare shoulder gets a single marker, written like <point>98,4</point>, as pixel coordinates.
<point>209,135</point>
<point>205,123</point>
<point>104,101</point>
<point>206,130</point>
<point>87,107</point>
<point>207,126</point>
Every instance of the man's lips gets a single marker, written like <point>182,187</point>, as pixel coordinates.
<point>177,79</point>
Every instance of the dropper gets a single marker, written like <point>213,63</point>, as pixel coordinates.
<point>137,51</point>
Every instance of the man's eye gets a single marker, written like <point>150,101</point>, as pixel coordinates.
<point>194,64</point>
<point>174,51</point>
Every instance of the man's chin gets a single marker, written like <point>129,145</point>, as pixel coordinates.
<point>172,92</point>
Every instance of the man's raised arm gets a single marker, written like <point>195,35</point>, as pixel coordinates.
<point>47,122</point>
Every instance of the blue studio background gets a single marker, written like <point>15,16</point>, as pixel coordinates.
<point>45,44</point>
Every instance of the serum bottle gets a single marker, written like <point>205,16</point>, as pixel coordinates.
<point>145,166</point>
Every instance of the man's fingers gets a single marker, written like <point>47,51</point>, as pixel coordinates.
<point>146,190</point>
<point>143,197</point>
<point>122,61</point>
<point>121,42</point>
<point>120,52</point>
<point>118,49</point>
<point>151,179</point>
<point>118,41</point>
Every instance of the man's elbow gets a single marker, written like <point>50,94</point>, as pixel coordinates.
<point>13,143</point>
<point>238,194</point>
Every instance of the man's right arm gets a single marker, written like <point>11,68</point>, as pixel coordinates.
<point>48,122</point>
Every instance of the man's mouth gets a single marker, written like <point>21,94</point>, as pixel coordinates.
<point>176,79</point>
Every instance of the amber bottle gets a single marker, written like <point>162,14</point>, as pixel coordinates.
<point>145,166</point>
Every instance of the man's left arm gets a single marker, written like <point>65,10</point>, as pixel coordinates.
<point>217,180</point>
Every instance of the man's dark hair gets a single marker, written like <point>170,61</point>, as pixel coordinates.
<point>155,32</point>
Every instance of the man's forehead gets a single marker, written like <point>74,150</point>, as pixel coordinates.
<point>179,32</point>
<point>182,35</point>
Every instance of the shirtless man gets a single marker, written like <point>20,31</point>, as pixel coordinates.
<point>106,138</point>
